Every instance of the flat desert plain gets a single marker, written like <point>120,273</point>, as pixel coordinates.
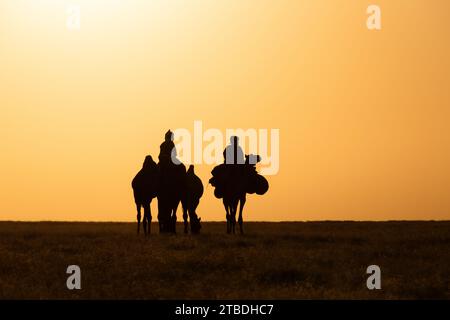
<point>286,260</point>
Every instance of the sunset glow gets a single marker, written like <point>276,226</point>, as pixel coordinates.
<point>363,116</point>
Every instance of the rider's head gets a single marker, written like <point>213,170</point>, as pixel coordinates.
<point>234,140</point>
<point>169,135</point>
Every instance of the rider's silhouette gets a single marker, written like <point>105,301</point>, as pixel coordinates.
<point>233,153</point>
<point>167,148</point>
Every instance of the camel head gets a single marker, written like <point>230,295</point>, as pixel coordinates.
<point>252,159</point>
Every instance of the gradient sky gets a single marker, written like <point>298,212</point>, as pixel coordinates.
<point>363,115</point>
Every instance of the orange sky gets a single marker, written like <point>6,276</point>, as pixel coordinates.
<point>363,115</point>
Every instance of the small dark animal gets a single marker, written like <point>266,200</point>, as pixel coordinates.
<point>192,193</point>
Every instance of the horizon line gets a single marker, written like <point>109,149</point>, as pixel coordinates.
<point>222,221</point>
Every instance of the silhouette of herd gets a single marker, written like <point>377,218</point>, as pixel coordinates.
<point>170,183</point>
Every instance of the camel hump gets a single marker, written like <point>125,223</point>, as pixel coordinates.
<point>149,162</point>
<point>147,178</point>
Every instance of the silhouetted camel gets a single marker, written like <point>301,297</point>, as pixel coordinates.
<point>232,182</point>
<point>192,193</point>
<point>145,185</point>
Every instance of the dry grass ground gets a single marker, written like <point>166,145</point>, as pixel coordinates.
<point>325,260</point>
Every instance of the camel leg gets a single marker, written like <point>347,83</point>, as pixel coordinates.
<point>149,219</point>
<point>185,218</point>
<point>174,218</point>
<point>160,216</point>
<point>144,222</point>
<point>233,217</point>
<point>138,207</point>
<point>227,216</point>
<point>166,219</point>
<point>193,218</point>
<point>241,207</point>
<point>146,214</point>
